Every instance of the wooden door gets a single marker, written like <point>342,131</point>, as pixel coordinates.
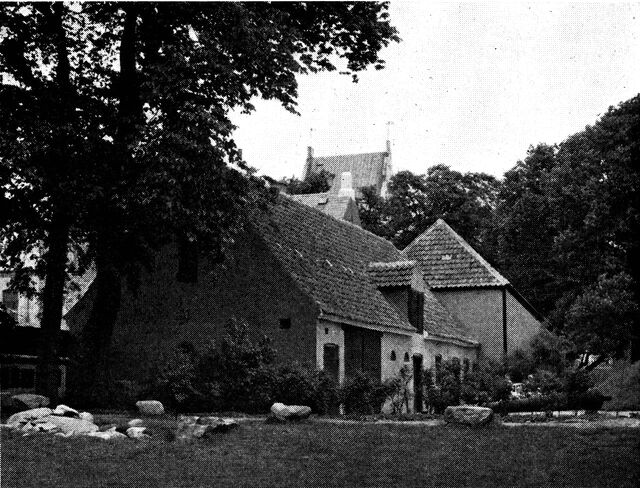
<point>362,352</point>
<point>331,361</point>
<point>417,383</point>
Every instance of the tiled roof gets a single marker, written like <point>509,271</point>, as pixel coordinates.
<point>367,169</point>
<point>329,259</point>
<point>395,273</point>
<point>448,261</point>
<point>339,207</point>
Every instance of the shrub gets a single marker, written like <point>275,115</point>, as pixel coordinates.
<point>298,385</point>
<point>398,389</point>
<point>361,395</point>
<point>485,384</point>
<point>544,383</point>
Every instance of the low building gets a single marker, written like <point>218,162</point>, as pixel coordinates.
<point>328,293</point>
<point>473,291</point>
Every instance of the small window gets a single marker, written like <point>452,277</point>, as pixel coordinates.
<point>406,357</point>
<point>326,330</point>
<point>393,356</point>
<point>285,323</point>
<point>465,365</point>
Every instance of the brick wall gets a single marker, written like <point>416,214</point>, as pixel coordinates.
<point>249,285</point>
<point>481,310</point>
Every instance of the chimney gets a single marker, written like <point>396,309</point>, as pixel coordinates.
<point>309,153</point>
<point>346,186</point>
<point>388,147</point>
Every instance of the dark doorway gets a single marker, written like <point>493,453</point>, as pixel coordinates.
<point>362,352</point>
<point>331,361</point>
<point>417,383</point>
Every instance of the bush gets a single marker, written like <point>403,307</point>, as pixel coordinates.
<point>298,385</point>
<point>485,384</point>
<point>361,395</point>
<point>398,390</point>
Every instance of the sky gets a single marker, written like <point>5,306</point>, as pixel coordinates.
<point>471,85</point>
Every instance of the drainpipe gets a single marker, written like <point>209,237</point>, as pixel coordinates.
<point>504,319</point>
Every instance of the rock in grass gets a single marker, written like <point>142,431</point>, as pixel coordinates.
<point>468,415</point>
<point>28,401</point>
<point>137,433</point>
<point>150,407</point>
<point>107,435</point>
<point>64,411</point>
<point>290,412</point>
<point>71,425</point>
<point>217,425</point>
<point>86,416</point>
<point>135,423</point>
<point>27,415</point>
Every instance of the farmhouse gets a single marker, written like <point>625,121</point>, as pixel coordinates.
<point>328,293</point>
<point>473,291</point>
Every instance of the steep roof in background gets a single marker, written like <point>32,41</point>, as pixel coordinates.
<point>330,258</point>
<point>367,169</point>
<point>448,261</point>
<point>339,207</point>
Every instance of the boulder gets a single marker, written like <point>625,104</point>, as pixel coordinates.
<point>290,412</point>
<point>107,435</point>
<point>86,416</point>
<point>468,415</point>
<point>44,426</point>
<point>137,433</point>
<point>64,411</point>
<point>71,425</point>
<point>150,407</point>
<point>27,415</point>
<point>217,425</point>
<point>29,401</point>
<point>135,423</point>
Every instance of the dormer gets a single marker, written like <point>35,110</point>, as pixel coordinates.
<point>401,284</point>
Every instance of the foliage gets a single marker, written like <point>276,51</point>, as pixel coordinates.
<point>361,395</point>
<point>398,388</point>
<point>116,137</point>
<point>484,384</point>
<point>312,183</point>
<point>414,202</point>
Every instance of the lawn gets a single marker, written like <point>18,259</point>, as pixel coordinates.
<point>323,454</point>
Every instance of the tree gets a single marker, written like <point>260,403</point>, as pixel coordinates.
<point>522,236</point>
<point>142,95</point>
<point>312,183</point>
<point>415,202</point>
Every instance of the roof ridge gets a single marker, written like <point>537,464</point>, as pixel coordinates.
<point>351,154</point>
<point>494,272</point>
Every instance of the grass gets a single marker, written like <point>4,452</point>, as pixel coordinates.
<point>323,454</point>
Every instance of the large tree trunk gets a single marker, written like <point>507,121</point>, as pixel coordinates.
<point>108,281</point>
<point>58,232</point>
<point>52,303</point>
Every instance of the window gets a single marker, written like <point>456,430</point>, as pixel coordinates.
<point>438,368</point>
<point>406,357</point>
<point>285,323</point>
<point>393,356</point>
<point>465,365</point>
<point>10,301</point>
<point>326,331</point>
<point>415,309</point>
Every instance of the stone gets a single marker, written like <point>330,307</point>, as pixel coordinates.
<point>64,411</point>
<point>217,425</point>
<point>150,407</point>
<point>75,426</point>
<point>468,415</point>
<point>135,423</point>
<point>106,427</point>
<point>189,429</point>
<point>29,401</point>
<point>45,426</point>
<point>86,416</point>
<point>107,435</point>
<point>27,415</point>
<point>137,432</point>
<point>290,412</point>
